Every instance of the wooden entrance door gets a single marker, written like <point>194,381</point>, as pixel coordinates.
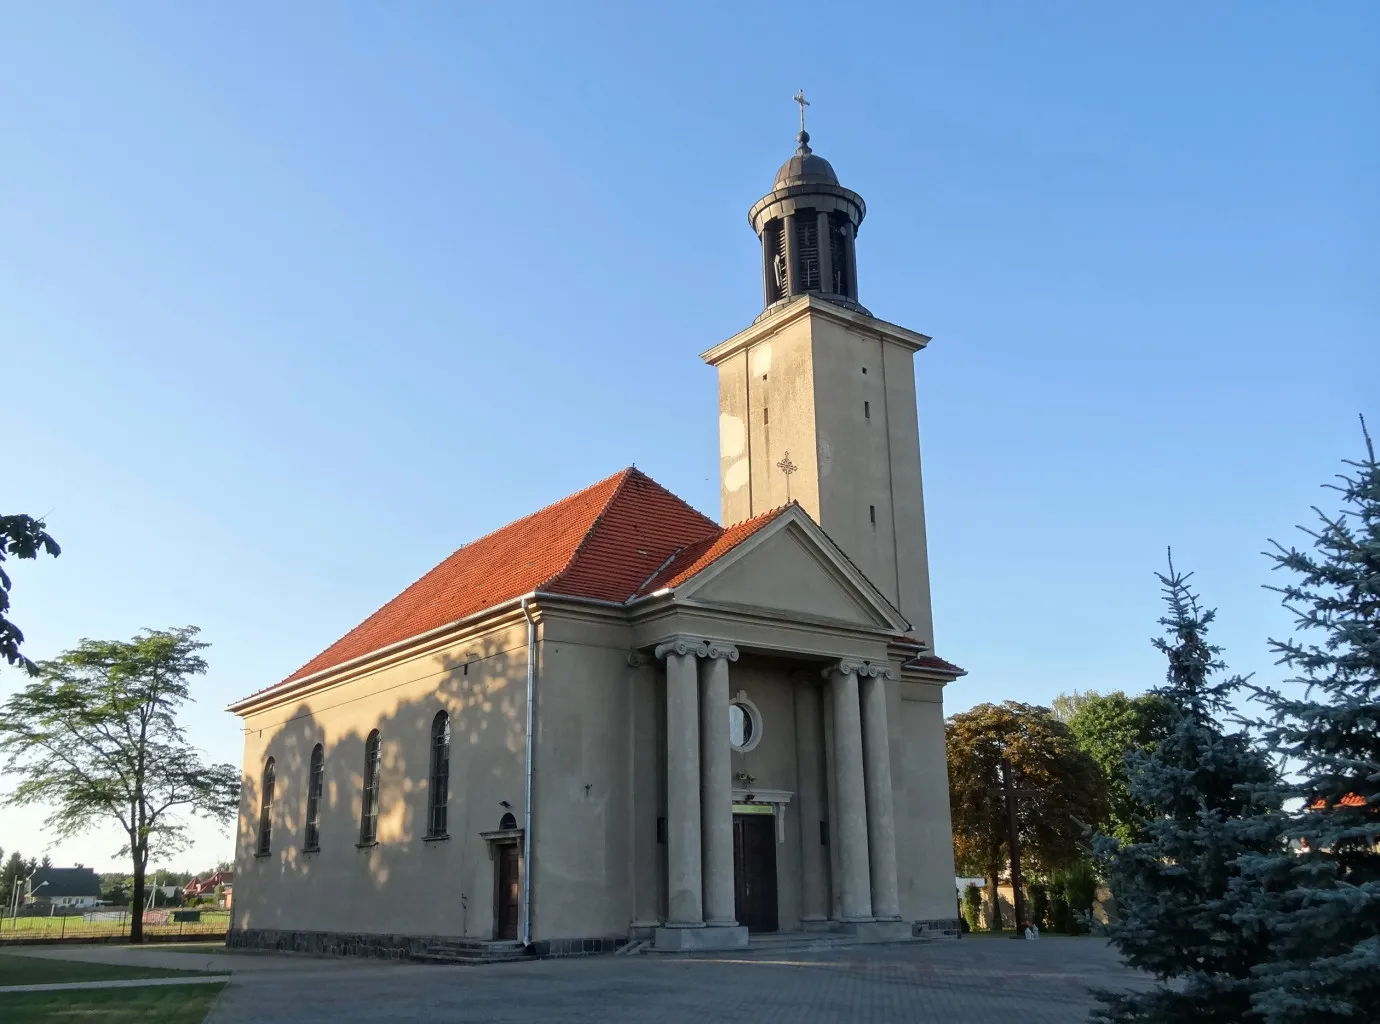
<point>754,871</point>
<point>509,891</point>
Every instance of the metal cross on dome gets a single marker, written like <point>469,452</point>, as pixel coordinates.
<point>788,467</point>
<point>800,98</point>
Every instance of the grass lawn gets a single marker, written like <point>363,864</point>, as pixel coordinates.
<point>172,1004</point>
<point>32,970</point>
<point>212,922</point>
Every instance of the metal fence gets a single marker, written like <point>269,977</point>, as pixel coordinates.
<point>110,925</point>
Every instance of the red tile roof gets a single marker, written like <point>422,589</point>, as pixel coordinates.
<point>1347,800</point>
<point>697,557</point>
<point>621,538</point>
<point>937,663</point>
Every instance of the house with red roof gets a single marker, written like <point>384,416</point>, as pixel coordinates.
<point>618,719</point>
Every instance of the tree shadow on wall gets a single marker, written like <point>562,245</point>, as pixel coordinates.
<point>406,883</point>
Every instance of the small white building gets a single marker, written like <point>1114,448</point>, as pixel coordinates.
<point>65,887</point>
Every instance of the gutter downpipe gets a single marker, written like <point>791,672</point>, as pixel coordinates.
<point>525,931</point>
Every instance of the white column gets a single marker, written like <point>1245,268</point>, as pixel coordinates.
<point>851,810</point>
<point>808,763</point>
<point>716,787</point>
<point>684,905</point>
<point>881,821</point>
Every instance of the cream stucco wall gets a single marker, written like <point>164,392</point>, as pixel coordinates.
<point>836,390</point>
<point>583,788</point>
<point>404,884</point>
<point>924,832</point>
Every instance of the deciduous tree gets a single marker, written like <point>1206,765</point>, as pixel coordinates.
<point>96,738</point>
<point>1109,726</point>
<point>20,537</point>
<point>1063,790</point>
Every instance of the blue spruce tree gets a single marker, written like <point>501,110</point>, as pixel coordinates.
<point>1173,888</point>
<point>1319,901</point>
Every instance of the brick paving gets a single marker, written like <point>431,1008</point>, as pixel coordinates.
<point>973,981</point>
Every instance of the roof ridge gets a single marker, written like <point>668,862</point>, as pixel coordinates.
<point>627,471</point>
<point>594,524</point>
<point>633,473</point>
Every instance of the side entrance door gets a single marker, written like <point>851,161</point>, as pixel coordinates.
<point>509,891</point>
<point>754,871</point>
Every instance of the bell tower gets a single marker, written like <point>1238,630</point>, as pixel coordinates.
<point>817,396</point>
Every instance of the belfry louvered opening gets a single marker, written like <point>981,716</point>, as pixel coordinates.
<point>774,248</point>
<point>807,250</point>
<point>838,255</point>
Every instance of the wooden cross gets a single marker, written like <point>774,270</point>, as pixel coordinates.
<point>800,98</point>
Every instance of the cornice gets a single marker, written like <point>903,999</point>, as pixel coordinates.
<point>810,305</point>
<point>501,616</point>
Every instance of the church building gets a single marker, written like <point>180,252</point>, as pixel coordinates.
<point>618,720</point>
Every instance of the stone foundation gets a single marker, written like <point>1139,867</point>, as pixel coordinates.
<point>546,948</point>
<point>938,928</point>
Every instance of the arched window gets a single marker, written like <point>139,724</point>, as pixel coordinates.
<point>507,822</point>
<point>369,812</point>
<point>316,780</point>
<point>266,809</point>
<point>439,790</point>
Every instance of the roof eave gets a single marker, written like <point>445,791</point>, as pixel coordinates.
<point>279,690</point>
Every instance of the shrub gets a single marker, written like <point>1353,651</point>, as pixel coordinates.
<point>972,905</point>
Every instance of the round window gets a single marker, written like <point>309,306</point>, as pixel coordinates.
<point>744,725</point>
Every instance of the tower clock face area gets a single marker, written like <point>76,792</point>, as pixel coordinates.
<point>817,396</point>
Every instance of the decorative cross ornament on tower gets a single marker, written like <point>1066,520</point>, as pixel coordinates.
<point>788,467</point>
<point>800,98</point>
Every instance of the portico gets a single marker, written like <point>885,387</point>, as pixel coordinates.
<point>701,797</point>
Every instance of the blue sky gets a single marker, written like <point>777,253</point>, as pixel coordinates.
<point>295,299</point>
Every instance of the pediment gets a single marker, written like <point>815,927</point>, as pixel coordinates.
<point>791,569</point>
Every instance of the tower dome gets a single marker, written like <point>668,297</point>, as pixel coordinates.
<point>807,224</point>
<point>805,167</point>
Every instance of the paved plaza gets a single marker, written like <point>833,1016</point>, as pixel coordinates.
<point>973,981</point>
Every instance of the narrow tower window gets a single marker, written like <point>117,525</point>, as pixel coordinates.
<point>872,515</point>
<point>867,410</point>
<point>766,415</point>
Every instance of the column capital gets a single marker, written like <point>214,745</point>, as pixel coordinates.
<point>877,670</point>
<point>698,646</point>
<point>721,649</point>
<point>682,645</point>
<point>844,667</point>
